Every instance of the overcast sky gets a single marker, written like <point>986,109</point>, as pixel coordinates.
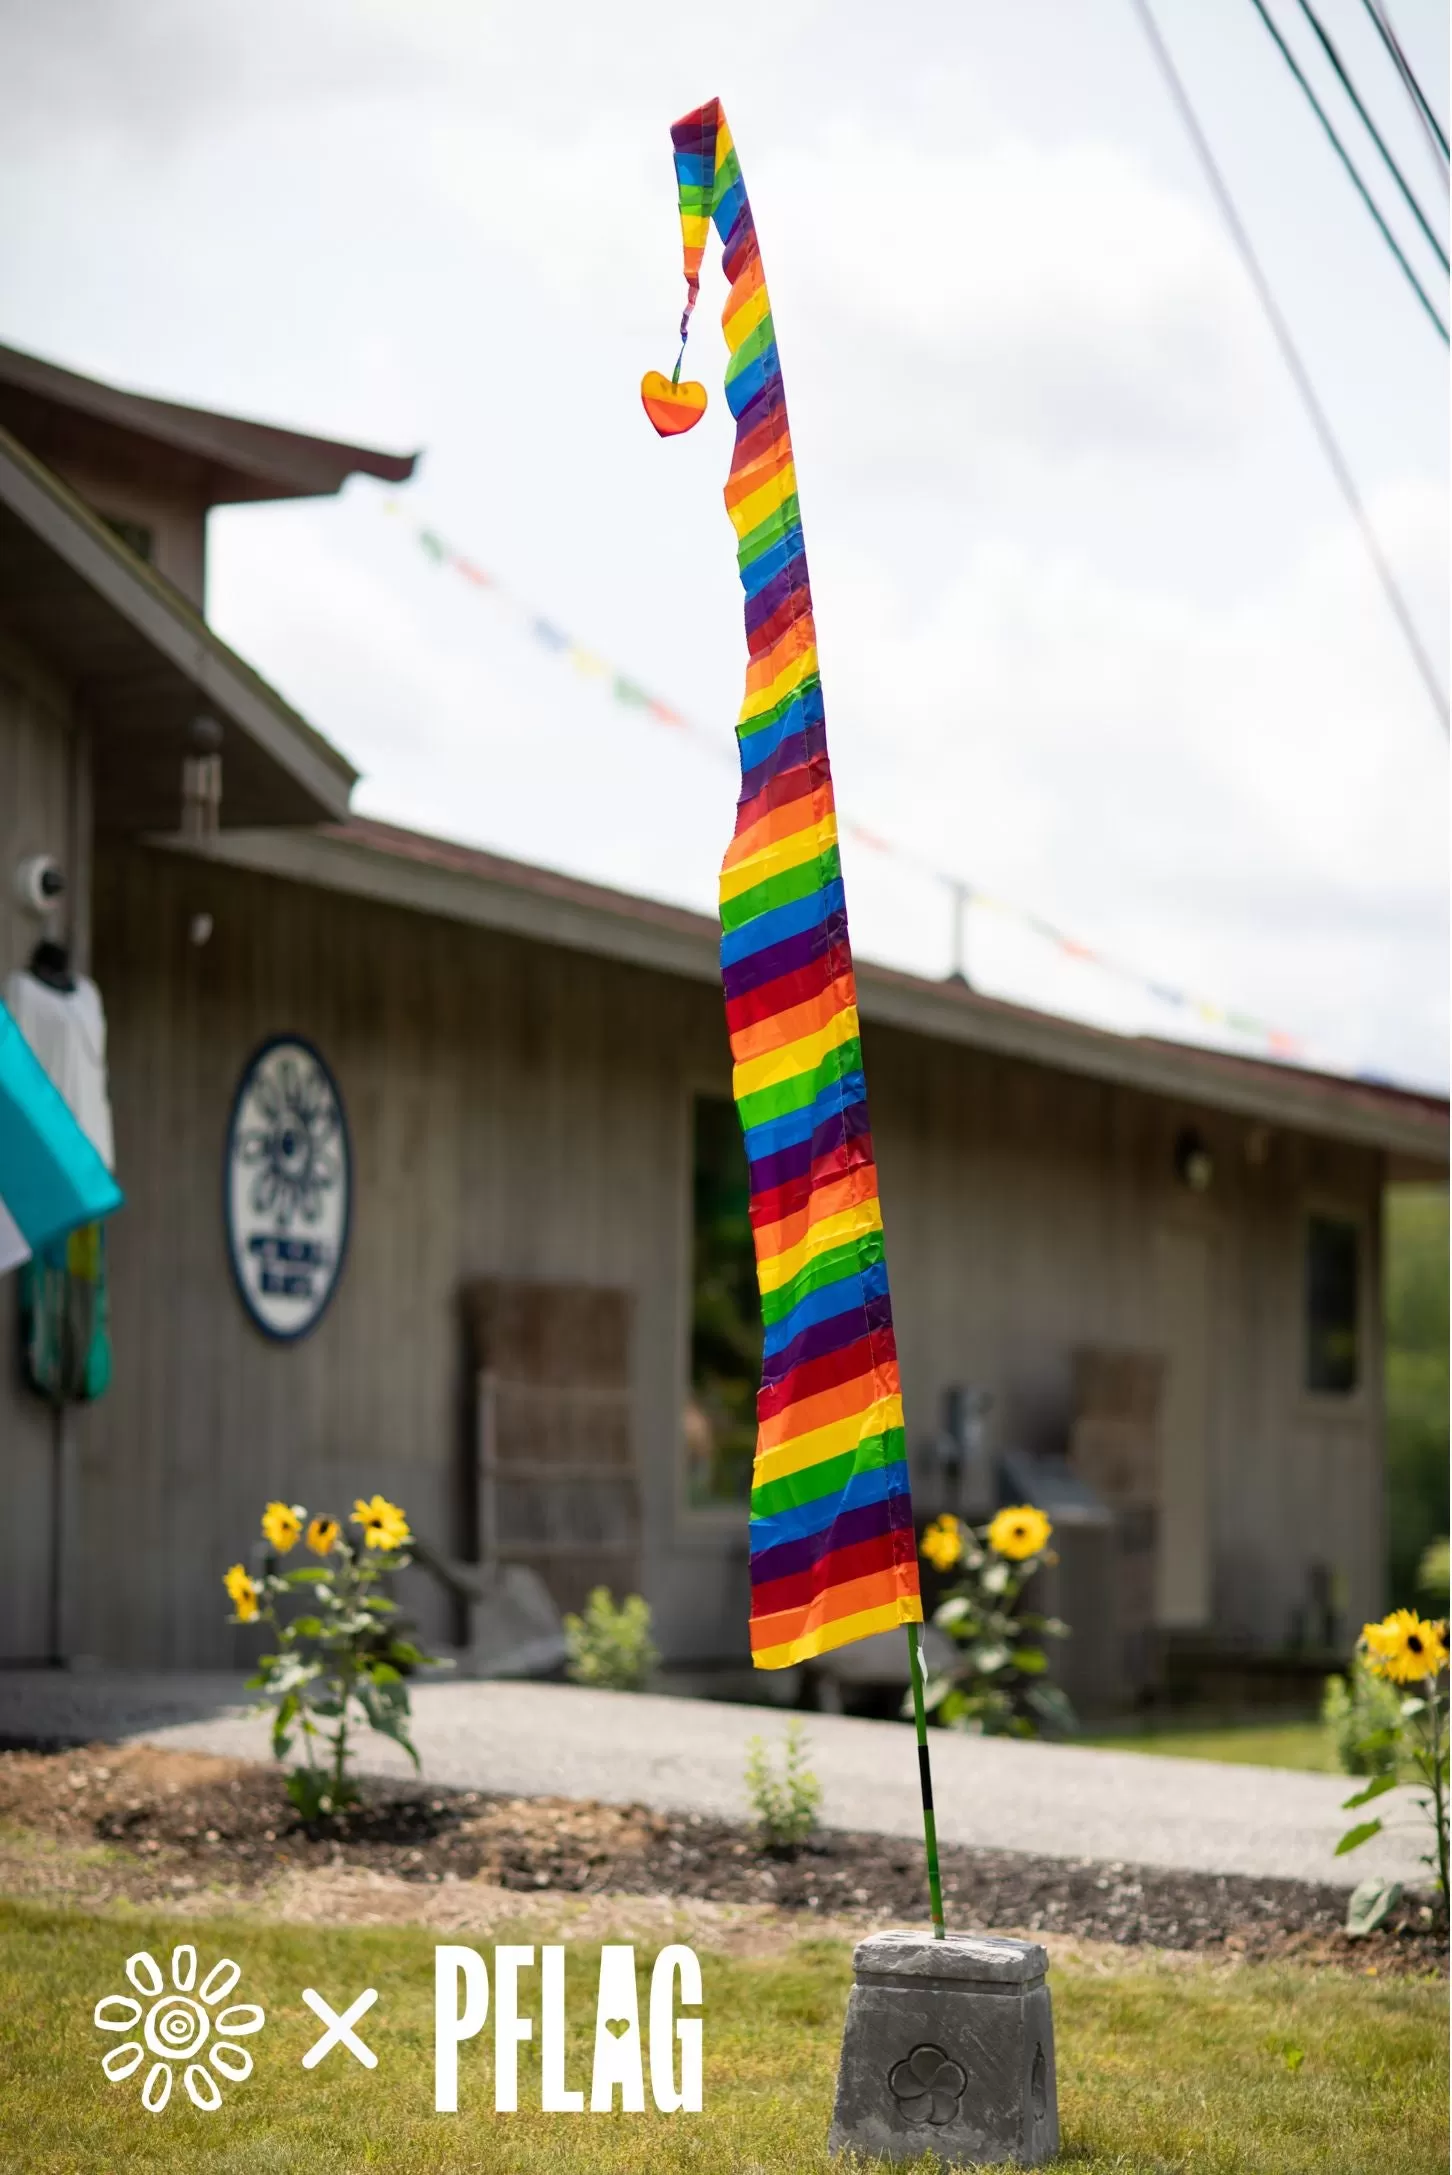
<point>1097,633</point>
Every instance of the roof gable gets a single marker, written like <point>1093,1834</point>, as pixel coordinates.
<point>144,664</point>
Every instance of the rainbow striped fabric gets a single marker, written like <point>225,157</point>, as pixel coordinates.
<point>833,1552</point>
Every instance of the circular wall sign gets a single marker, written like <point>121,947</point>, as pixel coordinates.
<point>287,1186</point>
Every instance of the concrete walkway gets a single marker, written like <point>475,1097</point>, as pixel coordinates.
<point>685,1755</point>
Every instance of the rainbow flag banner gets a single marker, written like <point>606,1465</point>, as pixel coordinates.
<point>833,1551</point>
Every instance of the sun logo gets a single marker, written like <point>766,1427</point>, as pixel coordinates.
<point>178,2024</point>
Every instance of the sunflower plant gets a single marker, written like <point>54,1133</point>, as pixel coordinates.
<point>1408,1651</point>
<point>341,1656</point>
<point>996,1685</point>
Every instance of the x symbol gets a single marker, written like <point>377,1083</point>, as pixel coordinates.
<point>339,2031</point>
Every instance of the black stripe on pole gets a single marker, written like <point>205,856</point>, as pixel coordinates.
<point>925,1774</point>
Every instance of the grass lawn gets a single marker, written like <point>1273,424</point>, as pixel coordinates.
<point>1161,2066</point>
<point>1275,1743</point>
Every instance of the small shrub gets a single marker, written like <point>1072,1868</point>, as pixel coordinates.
<point>611,1647</point>
<point>341,1658</point>
<point>1361,1711</point>
<point>786,1803</point>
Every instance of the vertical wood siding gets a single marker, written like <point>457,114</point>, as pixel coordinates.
<point>1022,1211</point>
<point>35,772</point>
<point>513,1112</point>
<point>518,1110</point>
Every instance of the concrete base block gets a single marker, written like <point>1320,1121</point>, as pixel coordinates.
<point>948,2048</point>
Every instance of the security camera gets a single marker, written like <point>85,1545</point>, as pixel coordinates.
<point>39,883</point>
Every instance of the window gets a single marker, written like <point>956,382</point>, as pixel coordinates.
<point>1332,1310</point>
<point>720,1423</point>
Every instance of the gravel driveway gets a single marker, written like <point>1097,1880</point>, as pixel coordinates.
<point>687,1755</point>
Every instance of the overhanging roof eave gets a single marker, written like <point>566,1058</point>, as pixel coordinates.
<point>247,460</point>
<point>552,909</point>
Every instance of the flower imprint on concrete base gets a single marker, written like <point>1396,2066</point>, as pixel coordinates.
<point>928,2085</point>
<point>176,2023</point>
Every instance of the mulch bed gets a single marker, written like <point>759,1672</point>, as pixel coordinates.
<point>223,1820</point>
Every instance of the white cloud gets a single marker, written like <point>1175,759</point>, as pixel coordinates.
<point>1059,298</point>
<point>150,76</point>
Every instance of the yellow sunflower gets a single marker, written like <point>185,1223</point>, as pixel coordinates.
<point>383,1523</point>
<point>281,1526</point>
<point>242,1594</point>
<point>1405,1647</point>
<point>1019,1533</point>
<point>323,1536</point>
<point>942,1542</point>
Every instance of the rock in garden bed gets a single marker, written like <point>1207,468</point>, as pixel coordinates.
<point>179,1819</point>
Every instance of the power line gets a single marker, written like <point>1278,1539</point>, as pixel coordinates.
<point>1290,355</point>
<point>1372,130</point>
<point>1403,66</point>
<point>1345,157</point>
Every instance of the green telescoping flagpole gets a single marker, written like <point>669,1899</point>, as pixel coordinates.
<point>925,1780</point>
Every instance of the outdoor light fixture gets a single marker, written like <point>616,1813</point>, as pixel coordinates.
<point>1194,1164</point>
<point>201,810</point>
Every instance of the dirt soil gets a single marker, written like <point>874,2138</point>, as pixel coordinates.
<point>107,1823</point>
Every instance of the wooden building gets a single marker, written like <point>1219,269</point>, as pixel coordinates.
<point>535,1081</point>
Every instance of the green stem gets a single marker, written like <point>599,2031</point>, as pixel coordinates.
<point>1439,1795</point>
<point>347,1672</point>
<point>340,1735</point>
<point>271,1617</point>
<point>925,1778</point>
<point>340,1753</point>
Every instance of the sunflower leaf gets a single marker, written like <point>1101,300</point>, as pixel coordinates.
<point>1377,1787</point>
<point>1355,1837</point>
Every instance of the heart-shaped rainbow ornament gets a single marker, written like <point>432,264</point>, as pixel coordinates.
<point>672,408</point>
